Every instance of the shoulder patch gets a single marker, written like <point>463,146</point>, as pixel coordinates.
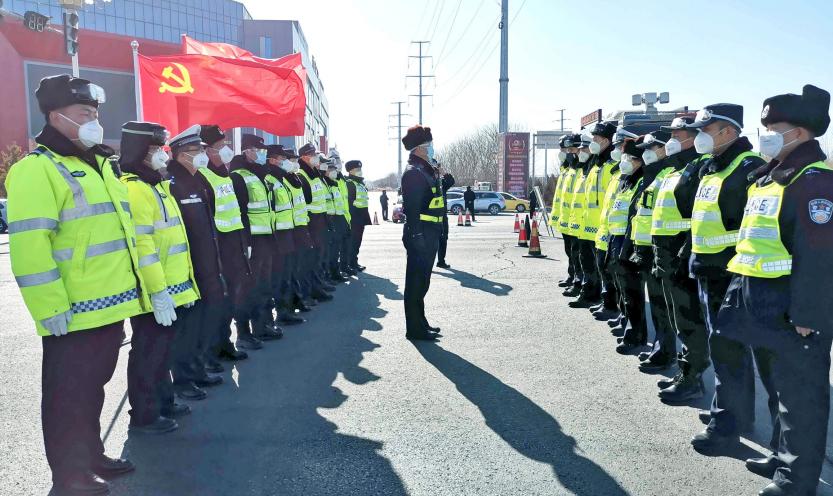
<point>78,173</point>
<point>821,210</point>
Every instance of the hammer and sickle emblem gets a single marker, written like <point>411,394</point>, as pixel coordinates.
<point>184,80</point>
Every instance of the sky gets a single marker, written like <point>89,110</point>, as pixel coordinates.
<point>579,56</point>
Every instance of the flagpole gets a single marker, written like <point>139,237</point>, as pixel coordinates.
<point>238,140</point>
<point>137,82</point>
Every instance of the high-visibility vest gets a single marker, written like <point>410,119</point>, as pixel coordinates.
<point>319,194</point>
<point>72,241</point>
<point>595,186</point>
<point>343,193</point>
<point>566,200</point>
<point>617,217</point>
<point>361,194</point>
<point>708,234</point>
<point>338,202</point>
<point>760,251</point>
<point>299,204</point>
<point>226,208</point>
<point>578,206</point>
<point>641,222</point>
<point>330,198</point>
<point>259,209</point>
<point>161,240</point>
<point>281,204</point>
<point>555,214</point>
<point>603,235</point>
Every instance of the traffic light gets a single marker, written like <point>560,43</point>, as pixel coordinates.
<point>71,32</point>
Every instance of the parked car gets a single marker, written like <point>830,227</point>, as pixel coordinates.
<point>4,219</point>
<point>484,201</point>
<point>398,214</point>
<point>514,203</point>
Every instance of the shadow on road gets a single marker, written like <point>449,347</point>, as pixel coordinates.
<point>468,280</point>
<point>264,432</point>
<point>522,424</point>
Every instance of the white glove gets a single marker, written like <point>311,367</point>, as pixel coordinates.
<point>59,324</point>
<point>249,252</point>
<point>189,304</point>
<point>163,308</point>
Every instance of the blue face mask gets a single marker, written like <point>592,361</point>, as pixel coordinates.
<point>430,151</point>
<point>261,157</point>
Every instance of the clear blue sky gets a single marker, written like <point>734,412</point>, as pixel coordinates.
<point>563,54</point>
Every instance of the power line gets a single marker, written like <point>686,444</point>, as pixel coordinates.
<point>399,127</point>
<point>450,28</point>
<point>420,95</point>
<point>439,19</point>
<point>466,30</point>
<point>421,18</point>
<point>477,50</point>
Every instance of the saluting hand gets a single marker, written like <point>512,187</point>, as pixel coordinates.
<point>804,331</point>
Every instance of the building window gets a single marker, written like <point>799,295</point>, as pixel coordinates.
<point>266,47</point>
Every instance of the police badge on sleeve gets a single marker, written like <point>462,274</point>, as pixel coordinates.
<point>821,211</point>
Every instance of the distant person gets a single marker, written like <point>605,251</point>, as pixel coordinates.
<point>468,199</point>
<point>533,202</point>
<point>447,181</point>
<point>384,201</point>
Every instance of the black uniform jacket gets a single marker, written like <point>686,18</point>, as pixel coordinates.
<point>358,216</point>
<point>417,195</point>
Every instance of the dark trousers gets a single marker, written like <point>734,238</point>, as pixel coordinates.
<point>74,371</point>
<point>633,293</point>
<point>665,341</point>
<point>590,284</point>
<point>568,244</point>
<point>733,404</point>
<point>346,250</point>
<point>687,318</point>
<point>260,294</point>
<point>418,279</point>
<point>574,256</point>
<point>148,368</point>
<point>470,208</point>
<point>357,232</point>
<point>606,285</point>
<point>443,246</point>
<point>384,211</point>
<point>186,348</point>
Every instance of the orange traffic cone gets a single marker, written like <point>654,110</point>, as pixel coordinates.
<point>517,227</point>
<point>535,243</point>
<point>460,218</point>
<point>522,238</point>
<point>468,219</point>
<point>375,219</point>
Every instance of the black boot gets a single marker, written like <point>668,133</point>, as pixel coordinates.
<point>689,388</point>
<point>245,339</point>
<point>710,441</point>
<point>765,467</point>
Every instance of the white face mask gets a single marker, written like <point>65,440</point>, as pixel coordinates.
<point>650,157</point>
<point>583,156</point>
<point>90,133</point>
<point>626,166</point>
<point>322,166</point>
<point>356,172</point>
<point>595,148</point>
<point>226,154</point>
<point>287,165</point>
<point>771,143</point>
<point>159,159</point>
<point>562,156</point>
<point>199,160</point>
<point>333,174</point>
<point>673,147</point>
<point>703,142</point>
<point>616,154</point>
<point>314,161</point>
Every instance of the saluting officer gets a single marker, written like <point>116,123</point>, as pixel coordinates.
<point>316,197</point>
<point>359,213</point>
<point>345,248</point>
<point>422,199</point>
<point>65,196</point>
<point>781,296</point>
<point>165,263</point>
<point>341,219</point>
<point>335,219</point>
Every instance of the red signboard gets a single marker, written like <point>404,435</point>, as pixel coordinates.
<point>513,163</point>
<point>594,116</point>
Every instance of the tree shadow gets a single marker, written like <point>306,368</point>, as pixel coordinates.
<point>469,280</point>
<point>523,425</point>
<point>262,431</point>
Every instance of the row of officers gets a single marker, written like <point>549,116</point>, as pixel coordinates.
<point>181,245</point>
<point>735,254</point>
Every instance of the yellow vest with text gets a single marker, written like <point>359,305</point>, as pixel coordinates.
<point>667,219</point>
<point>72,241</point>
<point>641,222</point>
<point>603,234</point>
<point>226,208</point>
<point>594,190</point>
<point>760,251</point>
<point>556,197</point>
<point>161,241</point>
<point>319,194</point>
<point>281,204</point>
<point>617,218</point>
<point>577,204</point>
<point>299,204</point>
<point>566,197</point>
<point>708,234</point>
<point>259,210</point>
<point>343,193</point>
<point>361,194</point>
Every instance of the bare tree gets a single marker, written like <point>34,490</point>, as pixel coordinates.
<point>474,156</point>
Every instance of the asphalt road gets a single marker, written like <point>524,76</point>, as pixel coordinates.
<point>522,396</point>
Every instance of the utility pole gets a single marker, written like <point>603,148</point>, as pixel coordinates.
<point>562,119</point>
<point>503,117</point>
<point>420,76</point>
<point>398,139</point>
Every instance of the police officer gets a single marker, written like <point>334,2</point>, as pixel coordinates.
<point>340,220</point>
<point>567,186</point>
<point>447,181</point>
<point>422,200</point>
<point>165,263</point>
<point>66,196</point>
<point>359,214</point>
<point>555,210</point>
<point>316,196</point>
<point>582,250</point>
<point>248,175</point>
<point>233,243</point>
<point>345,248</point>
<point>780,296</point>
<point>595,185</point>
<point>610,307</point>
<point>192,192</point>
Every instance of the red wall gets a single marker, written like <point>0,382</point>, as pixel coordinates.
<point>18,44</point>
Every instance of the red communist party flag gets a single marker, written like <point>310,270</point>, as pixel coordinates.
<point>192,46</point>
<point>181,90</point>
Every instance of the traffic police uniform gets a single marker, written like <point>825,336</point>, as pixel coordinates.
<point>566,186</point>
<point>165,264</point>
<point>582,249</point>
<point>345,248</point>
<point>359,214</point>
<point>316,197</point>
<point>71,242</point>
<point>782,281</point>
<point>233,242</point>
<point>447,181</point>
<point>422,199</point>
<point>301,285</point>
<point>335,218</point>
